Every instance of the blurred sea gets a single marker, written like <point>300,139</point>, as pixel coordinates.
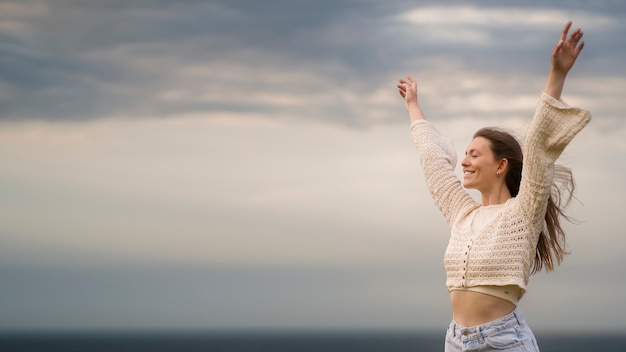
<point>273,342</point>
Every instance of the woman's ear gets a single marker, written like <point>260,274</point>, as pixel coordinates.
<point>502,166</point>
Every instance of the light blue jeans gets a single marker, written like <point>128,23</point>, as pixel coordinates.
<point>509,333</point>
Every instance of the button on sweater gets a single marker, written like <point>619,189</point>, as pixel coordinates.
<point>502,253</point>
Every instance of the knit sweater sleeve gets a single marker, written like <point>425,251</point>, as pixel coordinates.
<point>438,159</point>
<point>553,127</point>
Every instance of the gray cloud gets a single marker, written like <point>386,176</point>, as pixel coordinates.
<point>89,59</point>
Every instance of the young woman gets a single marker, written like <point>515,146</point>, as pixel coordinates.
<point>515,231</point>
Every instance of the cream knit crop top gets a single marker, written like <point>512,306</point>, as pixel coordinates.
<point>478,219</point>
<point>502,252</point>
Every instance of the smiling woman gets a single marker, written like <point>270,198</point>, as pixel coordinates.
<point>483,165</point>
<point>499,154</point>
<point>515,231</point>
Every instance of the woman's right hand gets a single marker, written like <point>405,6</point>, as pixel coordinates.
<point>408,91</point>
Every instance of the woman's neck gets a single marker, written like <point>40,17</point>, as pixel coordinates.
<point>499,196</point>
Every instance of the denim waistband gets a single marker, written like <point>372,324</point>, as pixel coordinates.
<point>479,332</point>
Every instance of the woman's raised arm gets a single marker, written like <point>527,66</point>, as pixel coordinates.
<point>408,90</point>
<point>563,58</point>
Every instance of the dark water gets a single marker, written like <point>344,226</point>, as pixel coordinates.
<point>274,342</point>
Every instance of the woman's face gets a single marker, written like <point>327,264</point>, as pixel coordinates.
<point>479,165</point>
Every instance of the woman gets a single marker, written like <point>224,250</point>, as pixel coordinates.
<point>515,231</point>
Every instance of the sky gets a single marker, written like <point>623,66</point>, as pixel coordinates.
<point>248,164</point>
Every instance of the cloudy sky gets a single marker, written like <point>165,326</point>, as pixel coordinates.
<point>247,164</point>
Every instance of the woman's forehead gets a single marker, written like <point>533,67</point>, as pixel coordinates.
<point>479,144</point>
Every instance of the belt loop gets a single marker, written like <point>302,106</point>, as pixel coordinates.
<point>453,329</point>
<point>481,337</point>
<point>517,315</point>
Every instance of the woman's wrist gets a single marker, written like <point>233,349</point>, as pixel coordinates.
<point>415,113</point>
<point>555,84</point>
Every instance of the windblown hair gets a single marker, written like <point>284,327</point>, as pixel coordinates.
<point>551,245</point>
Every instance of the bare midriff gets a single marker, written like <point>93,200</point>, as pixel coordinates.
<point>474,308</point>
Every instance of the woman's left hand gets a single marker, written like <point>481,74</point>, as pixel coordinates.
<point>566,51</point>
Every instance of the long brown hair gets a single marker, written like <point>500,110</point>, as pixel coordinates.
<point>551,245</point>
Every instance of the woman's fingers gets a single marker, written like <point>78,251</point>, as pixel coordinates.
<point>408,84</point>
<point>402,88</point>
<point>565,30</point>
<point>580,48</point>
<point>575,41</point>
<point>576,36</point>
<point>573,38</point>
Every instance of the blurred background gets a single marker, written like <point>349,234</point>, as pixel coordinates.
<point>237,165</point>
